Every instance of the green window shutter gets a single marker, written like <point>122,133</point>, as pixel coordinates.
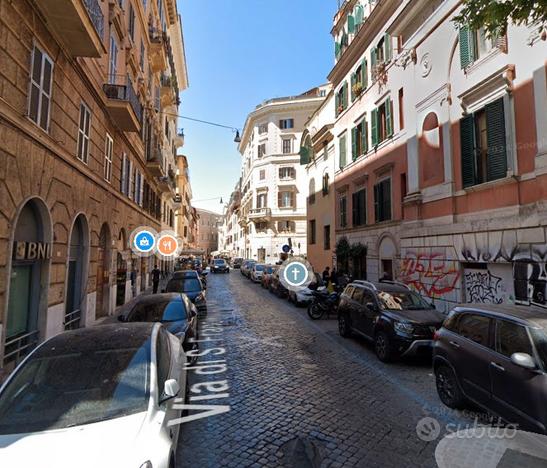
<point>342,152</point>
<point>351,24</point>
<point>467,143</point>
<point>359,14</point>
<point>467,47</point>
<point>389,118</point>
<point>353,81</point>
<point>374,127</point>
<point>337,49</point>
<point>345,103</point>
<point>354,144</point>
<point>336,104</point>
<point>388,47</point>
<point>364,137</point>
<point>377,203</point>
<point>497,146</point>
<point>364,74</point>
<point>304,155</point>
<point>373,57</point>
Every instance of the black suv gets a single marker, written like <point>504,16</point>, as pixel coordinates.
<point>396,319</point>
<point>496,357</point>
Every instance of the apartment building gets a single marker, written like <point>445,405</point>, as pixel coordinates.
<point>273,183</point>
<point>82,156</point>
<point>442,155</point>
<point>208,227</point>
<point>185,216</point>
<point>230,231</point>
<point>317,155</point>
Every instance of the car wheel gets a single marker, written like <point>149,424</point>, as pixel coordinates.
<point>343,326</point>
<point>382,347</point>
<point>448,387</point>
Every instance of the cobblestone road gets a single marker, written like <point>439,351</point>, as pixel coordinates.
<point>301,396</point>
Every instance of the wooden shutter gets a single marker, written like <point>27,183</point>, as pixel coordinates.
<point>342,148</point>
<point>389,117</point>
<point>388,48</point>
<point>353,79</point>
<point>374,127</point>
<point>336,103</point>
<point>364,137</point>
<point>373,58</point>
<point>364,74</point>
<point>345,95</point>
<point>359,14</point>
<point>304,155</point>
<point>467,143</point>
<point>497,146</point>
<point>122,176</point>
<point>467,47</point>
<point>351,24</point>
<point>336,49</point>
<point>354,143</point>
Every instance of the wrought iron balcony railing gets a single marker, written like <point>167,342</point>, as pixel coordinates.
<point>95,13</point>
<point>120,88</point>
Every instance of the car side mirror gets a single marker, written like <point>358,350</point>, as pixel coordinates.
<point>170,390</point>
<point>523,360</point>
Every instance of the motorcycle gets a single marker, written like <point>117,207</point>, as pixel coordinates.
<point>323,303</point>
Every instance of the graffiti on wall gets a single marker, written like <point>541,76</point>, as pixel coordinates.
<point>481,286</point>
<point>430,273</point>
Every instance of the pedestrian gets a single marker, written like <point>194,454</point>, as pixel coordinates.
<point>326,275</point>
<point>334,277</point>
<point>133,277</point>
<point>155,278</point>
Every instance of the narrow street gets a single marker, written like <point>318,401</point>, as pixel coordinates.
<point>300,395</point>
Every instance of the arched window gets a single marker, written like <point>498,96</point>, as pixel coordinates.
<point>311,197</point>
<point>325,183</point>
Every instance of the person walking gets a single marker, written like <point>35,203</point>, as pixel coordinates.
<point>155,279</point>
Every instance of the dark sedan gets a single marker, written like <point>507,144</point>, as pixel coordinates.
<point>192,287</point>
<point>174,310</point>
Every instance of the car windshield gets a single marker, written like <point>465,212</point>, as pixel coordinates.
<point>402,300</point>
<point>164,311</point>
<point>219,262</point>
<point>76,388</point>
<point>185,285</point>
<point>259,267</point>
<point>540,340</point>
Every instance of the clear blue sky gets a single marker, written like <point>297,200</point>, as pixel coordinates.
<point>239,53</point>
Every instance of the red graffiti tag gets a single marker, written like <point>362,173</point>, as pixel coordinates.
<point>430,274</point>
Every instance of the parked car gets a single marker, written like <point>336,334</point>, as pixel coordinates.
<point>257,271</point>
<point>276,286</point>
<point>496,357</point>
<point>174,310</point>
<point>267,274</point>
<point>95,387</point>
<point>304,296</point>
<point>236,263</point>
<point>220,266</point>
<point>185,274</point>
<point>192,287</point>
<point>246,267</point>
<point>398,321</point>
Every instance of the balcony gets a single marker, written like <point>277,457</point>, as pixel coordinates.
<point>260,214</point>
<point>179,138</point>
<point>167,91</point>
<point>123,104</point>
<point>79,24</point>
<point>158,52</point>
<point>163,184</point>
<point>154,163</point>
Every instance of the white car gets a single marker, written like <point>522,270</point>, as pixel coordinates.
<point>257,271</point>
<point>95,397</point>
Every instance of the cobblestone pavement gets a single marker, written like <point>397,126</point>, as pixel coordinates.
<point>300,395</point>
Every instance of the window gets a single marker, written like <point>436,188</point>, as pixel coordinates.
<point>382,200</point>
<point>163,360</point>
<point>359,208</point>
<point>41,81</point>
<point>311,193</point>
<point>131,22</point>
<point>512,338</point>
<point>359,80</point>
<point>326,237</point>
<point>112,60</point>
<point>286,199</point>
<point>359,140</point>
<point>287,173</point>
<point>341,99</point>
<point>343,148</point>
<point>287,146</point>
<point>475,328</point>
<point>286,226</point>
<point>262,200</point>
<point>84,131</point>
<point>262,174</point>
<point>261,226</point>
<point>483,145</point>
<point>382,122</point>
<point>381,54</point>
<point>312,232</point>
<point>343,212</point>
<point>263,128</point>
<point>286,124</point>
<point>475,44</point>
<point>325,184</point>
<point>142,56</point>
<point>401,110</point>
<point>124,178</point>
<point>109,146</point>
<point>261,150</point>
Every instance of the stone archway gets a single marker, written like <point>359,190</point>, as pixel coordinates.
<point>388,253</point>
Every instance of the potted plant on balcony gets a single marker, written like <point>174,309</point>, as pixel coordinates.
<point>357,89</point>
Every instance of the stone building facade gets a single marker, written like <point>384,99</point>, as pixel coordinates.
<point>81,157</point>
<point>441,178</point>
<point>208,227</point>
